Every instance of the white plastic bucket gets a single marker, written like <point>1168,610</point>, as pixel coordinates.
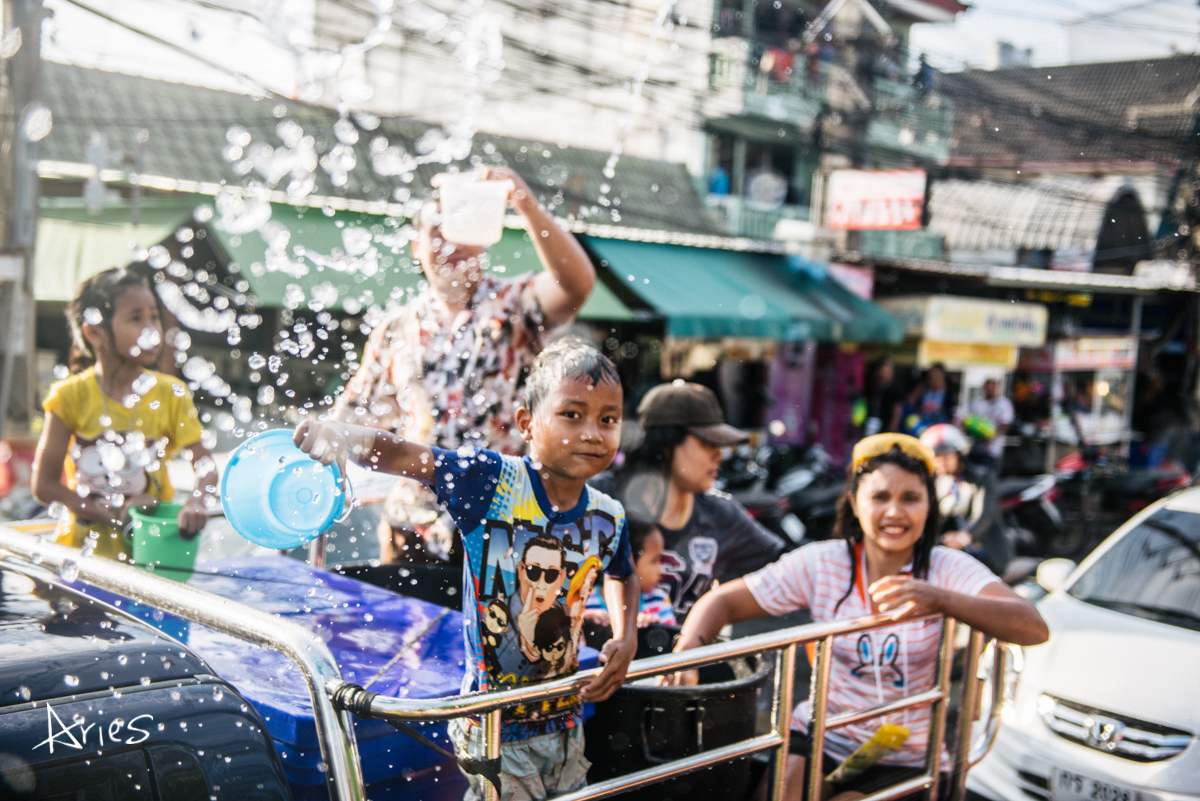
<point>472,210</point>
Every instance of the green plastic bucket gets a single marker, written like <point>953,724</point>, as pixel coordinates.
<point>157,544</point>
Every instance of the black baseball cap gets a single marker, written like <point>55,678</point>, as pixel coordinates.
<point>691,406</point>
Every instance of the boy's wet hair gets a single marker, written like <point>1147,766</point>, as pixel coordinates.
<point>564,359</point>
<point>100,292</point>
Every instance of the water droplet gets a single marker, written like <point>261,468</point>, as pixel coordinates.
<point>149,339</point>
<point>24,692</point>
<point>145,680</point>
<point>122,660</point>
<point>69,570</point>
<point>256,361</point>
<point>71,681</point>
<point>218,693</point>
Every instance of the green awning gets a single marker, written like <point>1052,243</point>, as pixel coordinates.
<point>73,245</point>
<point>709,293</point>
<point>314,244</point>
<point>856,319</point>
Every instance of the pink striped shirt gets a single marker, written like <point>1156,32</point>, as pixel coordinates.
<point>872,667</point>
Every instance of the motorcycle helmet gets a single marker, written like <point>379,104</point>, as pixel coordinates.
<point>945,438</point>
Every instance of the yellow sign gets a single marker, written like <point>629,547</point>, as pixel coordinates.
<point>945,318</point>
<point>966,354</point>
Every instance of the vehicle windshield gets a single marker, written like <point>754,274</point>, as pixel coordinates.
<point>1152,572</point>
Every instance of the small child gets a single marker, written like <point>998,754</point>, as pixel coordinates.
<point>647,544</point>
<point>534,538</point>
<point>114,425</point>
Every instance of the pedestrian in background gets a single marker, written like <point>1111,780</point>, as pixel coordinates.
<point>931,401</point>
<point>997,410</point>
<point>885,400</point>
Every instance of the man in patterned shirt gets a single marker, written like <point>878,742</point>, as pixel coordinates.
<point>444,368</point>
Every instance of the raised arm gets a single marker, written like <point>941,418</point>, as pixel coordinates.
<point>569,277</point>
<point>332,441</point>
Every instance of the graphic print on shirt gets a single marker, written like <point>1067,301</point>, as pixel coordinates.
<point>881,664</point>
<point>115,463</point>
<point>529,571</point>
<point>686,587</point>
<point>534,586</point>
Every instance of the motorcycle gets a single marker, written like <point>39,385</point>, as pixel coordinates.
<point>1097,497</point>
<point>790,492</point>
<point>1029,517</point>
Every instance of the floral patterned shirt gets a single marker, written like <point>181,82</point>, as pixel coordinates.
<point>447,385</point>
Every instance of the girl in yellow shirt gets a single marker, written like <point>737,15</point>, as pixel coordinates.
<point>111,428</point>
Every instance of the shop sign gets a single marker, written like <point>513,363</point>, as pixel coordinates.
<point>945,318</point>
<point>1096,353</point>
<point>966,354</point>
<point>863,200</point>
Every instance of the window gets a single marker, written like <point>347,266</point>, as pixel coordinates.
<point>1153,572</point>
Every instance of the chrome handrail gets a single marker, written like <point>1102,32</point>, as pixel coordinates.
<point>36,558</point>
<point>336,735</point>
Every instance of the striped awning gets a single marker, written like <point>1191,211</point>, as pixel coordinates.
<point>1056,214</point>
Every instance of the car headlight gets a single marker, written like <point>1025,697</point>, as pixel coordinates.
<point>1014,663</point>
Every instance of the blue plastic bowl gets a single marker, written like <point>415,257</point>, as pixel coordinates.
<point>276,495</point>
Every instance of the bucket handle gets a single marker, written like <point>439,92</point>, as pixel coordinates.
<point>350,503</point>
<point>647,724</point>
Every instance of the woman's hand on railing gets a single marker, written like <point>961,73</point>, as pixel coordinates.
<point>684,678</point>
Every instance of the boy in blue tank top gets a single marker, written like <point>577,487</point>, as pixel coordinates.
<point>535,538</point>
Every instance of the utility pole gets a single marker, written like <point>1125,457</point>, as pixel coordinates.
<point>24,122</point>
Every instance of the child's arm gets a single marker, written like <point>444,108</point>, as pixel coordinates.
<point>619,594</point>
<point>193,517</point>
<point>47,479</point>
<point>329,441</point>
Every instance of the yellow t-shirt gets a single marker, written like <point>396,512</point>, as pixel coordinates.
<point>126,453</point>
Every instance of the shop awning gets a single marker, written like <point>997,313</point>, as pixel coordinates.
<point>350,260</point>
<point>710,293</point>
<point>73,245</point>
<point>1055,213</point>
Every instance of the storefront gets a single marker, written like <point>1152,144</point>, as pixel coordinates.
<point>973,337</point>
<point>1084,388</point>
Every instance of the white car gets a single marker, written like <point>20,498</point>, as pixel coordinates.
<point>1109,708</point>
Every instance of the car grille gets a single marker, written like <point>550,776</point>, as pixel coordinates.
<point>1034,786</point>
<point>1111,733</point>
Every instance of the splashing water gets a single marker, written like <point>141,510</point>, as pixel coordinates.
<point>635,92</point>
<point>145,382</point>
<point>149,339</point>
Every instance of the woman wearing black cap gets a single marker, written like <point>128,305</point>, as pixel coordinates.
<point>669,478</point>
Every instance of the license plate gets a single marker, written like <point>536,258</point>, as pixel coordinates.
<point>1070,786</point>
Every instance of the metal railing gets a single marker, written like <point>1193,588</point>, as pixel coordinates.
<point>338,748</point>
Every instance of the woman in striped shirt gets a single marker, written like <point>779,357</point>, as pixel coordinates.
<point>887,560</point>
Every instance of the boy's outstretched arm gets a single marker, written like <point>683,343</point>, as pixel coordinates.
<point>330,441</point>
<point>619,594</point>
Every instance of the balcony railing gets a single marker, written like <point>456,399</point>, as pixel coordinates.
<point>910,121</point>
<point>902,244</point>
<point>788,94</point>
<point>742,217</point>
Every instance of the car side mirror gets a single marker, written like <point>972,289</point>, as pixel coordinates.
<point>1052,574</point>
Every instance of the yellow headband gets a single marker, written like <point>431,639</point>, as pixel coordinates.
<point>879,444</point>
